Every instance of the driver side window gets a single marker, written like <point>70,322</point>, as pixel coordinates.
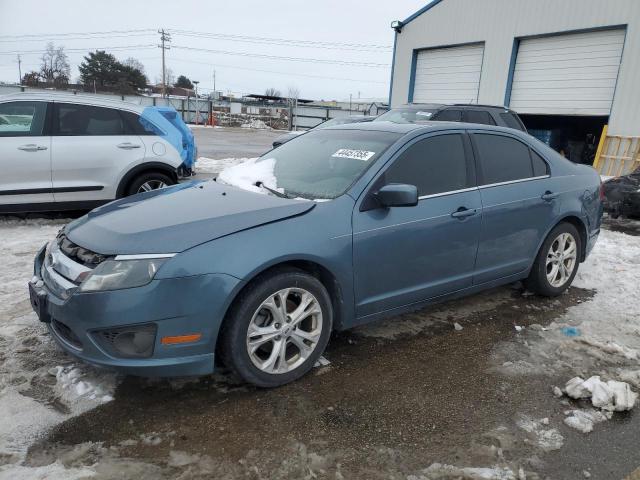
<point>434,165</point>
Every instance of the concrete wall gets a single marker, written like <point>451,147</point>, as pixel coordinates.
<point>498,22</point>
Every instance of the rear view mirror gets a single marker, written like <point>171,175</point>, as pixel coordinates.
<point>397,195</point>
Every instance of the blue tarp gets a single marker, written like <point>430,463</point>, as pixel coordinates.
<point>166,123</point>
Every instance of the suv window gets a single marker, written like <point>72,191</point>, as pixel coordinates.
<point>82,120</point>
<point>22,119</point>
<point>478,116</point>
<point>434,165</point>
<point>502,159</point>
<point>134,125</point>
<point>449,115</point>
<point>511,120</point>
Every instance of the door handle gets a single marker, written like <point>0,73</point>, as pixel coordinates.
<point>464,212</point>
<point>127,145</point>
<point>31,147</point>
<point>549,196</point>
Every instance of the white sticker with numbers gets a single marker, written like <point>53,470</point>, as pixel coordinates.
<point>363,155</point>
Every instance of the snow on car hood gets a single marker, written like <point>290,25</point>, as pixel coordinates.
<point>177,218</point>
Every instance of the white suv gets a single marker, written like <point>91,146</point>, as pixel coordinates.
<point>65,151</point>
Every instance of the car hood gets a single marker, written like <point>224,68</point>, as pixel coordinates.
<point>174,219</point>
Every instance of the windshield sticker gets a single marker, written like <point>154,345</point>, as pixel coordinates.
<point>424,114</point>
<point>363,155</point>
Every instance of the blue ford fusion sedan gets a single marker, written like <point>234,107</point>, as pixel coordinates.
<point>336,228</point>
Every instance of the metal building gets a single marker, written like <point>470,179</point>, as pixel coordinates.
<point>568,67</point>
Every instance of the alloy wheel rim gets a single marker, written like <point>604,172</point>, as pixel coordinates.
<point>284,331</point>
<point>151,185</point>
<point>561,259</point>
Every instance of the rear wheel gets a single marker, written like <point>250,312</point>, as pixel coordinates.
<point>277,328</point>
<point>557,262</point>
<point>149,181</point>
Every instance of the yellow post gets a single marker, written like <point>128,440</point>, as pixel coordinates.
<point>603,137</point>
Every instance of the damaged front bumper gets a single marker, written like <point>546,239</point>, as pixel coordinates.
<point>88,325</point>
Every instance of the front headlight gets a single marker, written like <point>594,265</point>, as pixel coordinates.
<point>117,274</point>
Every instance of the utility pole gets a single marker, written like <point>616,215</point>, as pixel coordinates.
<point>165,39</point>
<point>196,82</point>
<point>19,70</point>
<point>214,84</point>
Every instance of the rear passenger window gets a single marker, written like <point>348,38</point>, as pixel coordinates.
<point>502,159</point>
<point>539,165</point>
<point>477,116</point>
<point>434,165</point>
<point>136,125</point>
<point>83,120</point>
<point>449,116</point>
<point>511,121</point>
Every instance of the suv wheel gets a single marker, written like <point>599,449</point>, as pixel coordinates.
<point>149,181</point>
<point>557,262</point>
<point>277,329</point>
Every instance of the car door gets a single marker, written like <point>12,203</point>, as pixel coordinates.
<point>25,153</point>
<point>517,204</point>
<point>91,147</point>
<point>403,255</point>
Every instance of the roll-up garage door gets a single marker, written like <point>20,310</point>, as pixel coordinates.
<point>448,75</point>
<point>573,74</point>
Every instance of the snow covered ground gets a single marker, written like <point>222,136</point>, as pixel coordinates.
<point>213,166</point>
<point>40,386</point>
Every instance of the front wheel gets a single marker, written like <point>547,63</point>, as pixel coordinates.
<point>277,328</point>
<point>557,262</point>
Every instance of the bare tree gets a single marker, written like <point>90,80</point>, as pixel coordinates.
<point>293,93</point>
<point>134,63</point>
<point>272,92</point>
<point>169,76</point>
<point>55,65</point>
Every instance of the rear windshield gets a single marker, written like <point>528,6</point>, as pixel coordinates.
<point>323,164</point>
<point>407,115</point>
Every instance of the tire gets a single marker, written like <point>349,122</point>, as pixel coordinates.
<point>257,307</point>
<point>153,179</point>
<point>541,280</point>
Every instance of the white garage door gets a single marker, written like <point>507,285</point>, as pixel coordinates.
<point>448,75</point>
<point>567,74</point>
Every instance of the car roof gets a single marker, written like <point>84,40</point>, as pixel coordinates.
<point>424,127</point>
<point>418,106</point>
<point>83,98</point>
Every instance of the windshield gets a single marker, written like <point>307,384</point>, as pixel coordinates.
<point>407,115</point>
<point>321,164</point>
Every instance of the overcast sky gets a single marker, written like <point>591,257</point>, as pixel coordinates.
<point>329,30</point>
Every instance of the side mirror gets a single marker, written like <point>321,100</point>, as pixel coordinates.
<point>397,195</point>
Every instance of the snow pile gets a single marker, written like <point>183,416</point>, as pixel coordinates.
<point>611,396</point>
<point>246,175</point>
<point>255,123</point>
<point>35,395</point>
<point>584,420</point>
<point>438,471</point>
<point>80,382</point>
<point>215,166</point>
<point>548,439</point>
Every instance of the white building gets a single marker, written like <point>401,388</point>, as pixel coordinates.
<point>563,65</point>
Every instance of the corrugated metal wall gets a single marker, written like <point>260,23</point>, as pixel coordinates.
<point>499,22</point>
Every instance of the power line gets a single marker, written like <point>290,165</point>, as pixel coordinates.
<point>85,49</point>
<point>322,77</point>
<point>84,37</point>
<point>284,41</point>
<point>52,35</point>
<point>289,59</point>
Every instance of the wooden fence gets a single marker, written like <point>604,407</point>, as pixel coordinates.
<point>617,155</point>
